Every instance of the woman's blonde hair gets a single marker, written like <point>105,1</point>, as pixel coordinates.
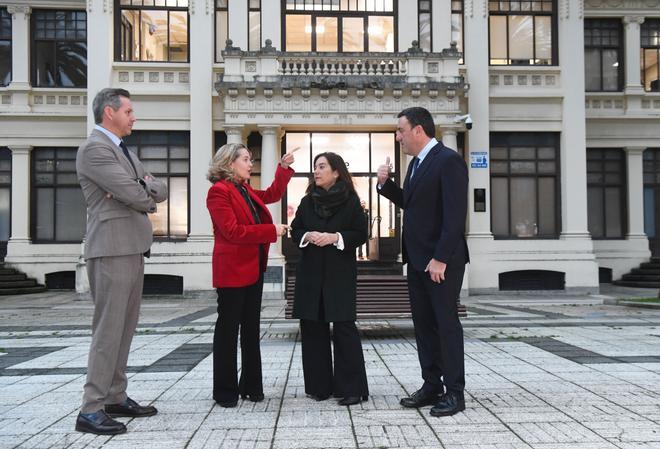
<point>220,167</point>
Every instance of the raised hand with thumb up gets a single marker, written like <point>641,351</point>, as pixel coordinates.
<point>384,171</point>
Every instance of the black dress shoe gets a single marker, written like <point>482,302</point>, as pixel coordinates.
<point>253,397</point>
<point>419,398</point>
<point>130,408</point>
<point>450,404</point>
<point>99,423</point>
<point>227,404</point>
<point>352,400</point>
<point>318,397</point>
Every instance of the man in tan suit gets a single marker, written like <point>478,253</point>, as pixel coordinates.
<point>119,194</point>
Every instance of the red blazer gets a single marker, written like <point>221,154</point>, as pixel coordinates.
<point>237,236</point>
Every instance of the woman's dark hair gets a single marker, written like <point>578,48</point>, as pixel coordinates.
<point>336,164</point>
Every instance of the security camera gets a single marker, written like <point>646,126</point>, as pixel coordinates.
<point>467,119</point>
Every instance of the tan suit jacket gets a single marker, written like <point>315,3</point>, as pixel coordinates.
<point>116,226</point>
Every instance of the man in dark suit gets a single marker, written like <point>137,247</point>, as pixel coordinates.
<point>119,194</point>
<point>434,200</point>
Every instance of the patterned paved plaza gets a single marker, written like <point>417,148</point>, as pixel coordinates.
<point>544,372</point>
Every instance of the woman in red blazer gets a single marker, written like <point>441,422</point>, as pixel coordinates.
<point>243,230</point>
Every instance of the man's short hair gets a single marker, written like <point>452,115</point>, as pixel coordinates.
<point>109,96</point>
<point>419,116</point>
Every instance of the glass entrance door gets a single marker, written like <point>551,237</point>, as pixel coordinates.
<point>363,152</point>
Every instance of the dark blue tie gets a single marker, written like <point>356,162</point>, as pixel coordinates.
<point>124,148</point>
<point>414,167</point>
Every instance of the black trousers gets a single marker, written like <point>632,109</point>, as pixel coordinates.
<point>438,330</point>
<point>238,308</point>
<point>350,375</point>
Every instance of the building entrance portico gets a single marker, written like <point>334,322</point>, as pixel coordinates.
<point>363,152</point>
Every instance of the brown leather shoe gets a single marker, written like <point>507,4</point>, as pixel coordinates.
<point>130,408</point>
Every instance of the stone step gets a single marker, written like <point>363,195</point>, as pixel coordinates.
<point>641,277</point>
<point>12,277</point>
<point>638,284</point>
<point>22,290</point>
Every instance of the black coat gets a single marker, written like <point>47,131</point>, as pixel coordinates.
<point>325,272</point>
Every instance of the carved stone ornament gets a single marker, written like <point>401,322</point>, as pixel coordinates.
<point>628,20</point>
<point>19,9</point>
<point>622,4</point>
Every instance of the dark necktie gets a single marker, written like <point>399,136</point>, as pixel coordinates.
<point>414,167</point>
<point>246,196</point>
<point>124,148</point>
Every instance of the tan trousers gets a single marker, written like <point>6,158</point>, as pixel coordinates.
<point>116,285</point>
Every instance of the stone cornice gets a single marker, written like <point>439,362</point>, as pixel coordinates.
<point>637,5</point>
<point>341,84</point>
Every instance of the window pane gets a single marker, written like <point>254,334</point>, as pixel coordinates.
<point>382,147</point>
<point>130,35</point>
<point>5,62</point>
<point>547,207</point>
<point>326,34</point>
<point>179,207</point>
<point>650,70</point>
<point>498,52</point>
<point>424,31</point>
<point>5,213</point>
<point>221,33</point>
<point>353,34</point>
<point>302,163</point>
<point>294,193</point>
<point>71,64</point>
<point>610,70</point>
<point>592,69</point>
<point>153,30</point>
<point>500,205</point>
<point>381,34</point>
<point>543,39</point>
<point>44,214</point>
<point>595,212</point>
<point>45,64</point>
<point>523,207</point>
<point>178,36</point>
<point>353,148</point>
<point>457,31</point>
<point>298,33</point>
<point>521,39</point>
<point>613,212</point>
<point>70,215</point>
<point>254,43</point>
<point>159,219</point>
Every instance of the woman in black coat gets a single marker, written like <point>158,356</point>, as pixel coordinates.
<point>329,225</point>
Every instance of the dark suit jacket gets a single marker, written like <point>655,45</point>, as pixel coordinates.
<point>325,272</point>
<point>435,209</point>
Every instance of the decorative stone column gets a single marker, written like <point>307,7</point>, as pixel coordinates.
<point>99,51</point>
<point>269,160</point>
<point>632,55</point>
<point>20,195</point>
<point>201,116</point>
<point>234,133</point>
<point>574,134</point>
<point>634,164</point>
<point>632,41</point>
<point>449,138</point>
<point>20,58</point>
